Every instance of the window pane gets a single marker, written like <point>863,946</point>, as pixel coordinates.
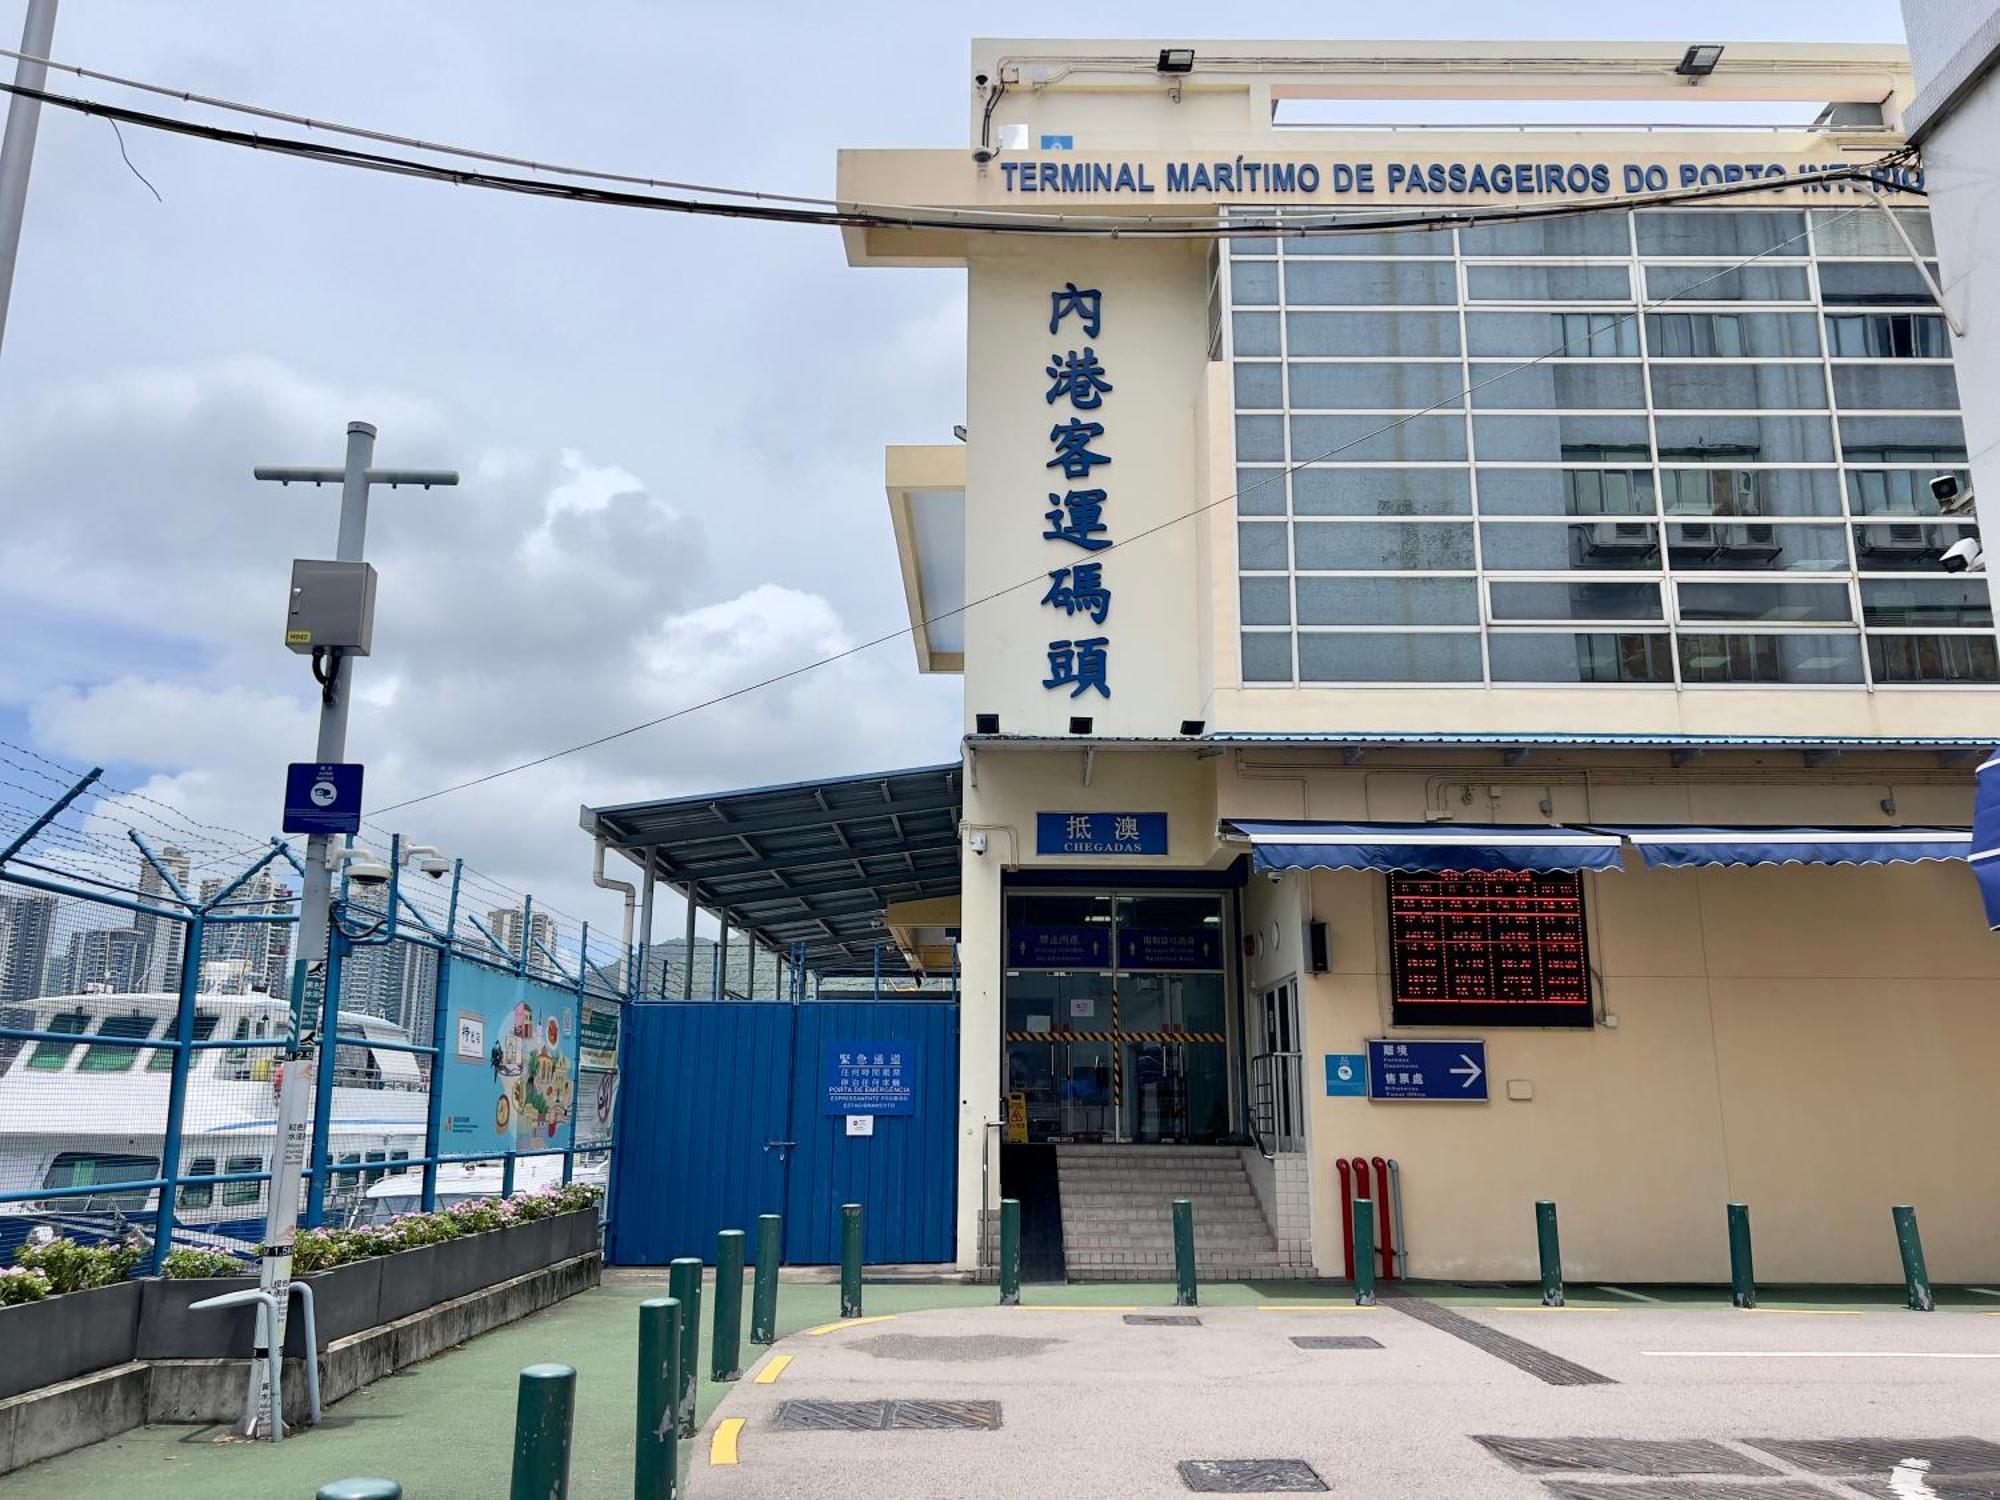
<point>1752,439</point>
<point>1887,336</point>
<point>1751,492</point>
<point>1250,246</point>
<point>1720,231</point>
<point>1255,332</point>
<point>1758,545</point>
<point>1531,656</point>
<point>1260,385</point>
<point>1895,387</point>
<point>1368,282</point>
<point>1388,601</point>
<point>1897,492</point>
<point>52,1056</point>
<point>88,1168</point>
<point>1265,601</point>
<point>1260,492</point>
<point>1771,387</point>
<point>1775,602</point>
<point>1858,283</point>
<point>1365,546</point>
<point>1260,545</point>
<point>103,1059</point>
<point>1942,603</point>
<point>1846,232</point>
<point>1547,284</point>
<point>1890,440</point>
<point>1389,242</point>
<point>1575,601</point>
<point>1728,283</point>
<point>161,1059</point>
<point>1554,387</point>
<point>1381,492</point>
<point>1364,333</point>
<point>1380,656</point>
<point>1267,656</point>
<point>242,1192</point>
<point>1566,492</point>
<point>1568,335</point>
<point>1730,335</point>
<point>1260,438</point>
<point>1254,284</point>
<point>1906,545</point>
<point>1586,438</point>
<point>1770,658</point>
<point>1586,234</point>
<point>1378,439</point>
<point>1933,658</point>
<point>1551,547</point>
<point>202,1194</point>
<point>1376,387</point>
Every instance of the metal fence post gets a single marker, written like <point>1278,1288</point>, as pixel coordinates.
<point>1916,1280</point>
<point>576,1052</point>
<point>1364,1252</point>
<point>725,1335</point>
<point>656,1453</point>
<point>1010,1252</point>
<point>1185,1294</point>
<point>543,1410</point>
<point>764,1293</point>
<point>177,1089</point>
<point>507,1175</point>
<point>1550,1248</point>
<point>684,1286</point>
<point>440,1025</point>
<point>1742,1273</point>
<point>850,1260</point>
<point>318,1162</point>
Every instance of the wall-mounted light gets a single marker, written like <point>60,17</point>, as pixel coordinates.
<point>1698,61</point>
<point>1176,60</point>
<point>1193,727</point>
<point>986,723</point>
<point>958,431</point>
<point>1081,724</point>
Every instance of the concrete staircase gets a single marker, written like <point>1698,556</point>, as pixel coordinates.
<point>1117,1216</point>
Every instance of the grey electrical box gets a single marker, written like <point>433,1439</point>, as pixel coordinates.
<point>333,606</point>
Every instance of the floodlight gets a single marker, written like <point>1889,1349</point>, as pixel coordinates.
<point>1176,60</point>
<point>1699,60</point>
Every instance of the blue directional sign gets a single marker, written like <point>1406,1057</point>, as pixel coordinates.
<point>1399,1070</point>
<point>1346,1074</point>
<point>322,797</point>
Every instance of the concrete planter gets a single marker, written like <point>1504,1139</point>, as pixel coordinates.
<point>60,1338</point>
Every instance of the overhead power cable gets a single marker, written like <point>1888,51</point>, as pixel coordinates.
<point>1038,579</point>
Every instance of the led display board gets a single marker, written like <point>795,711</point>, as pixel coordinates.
<point>1488,948</point>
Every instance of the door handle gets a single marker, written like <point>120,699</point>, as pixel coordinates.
<point>781,1145</point>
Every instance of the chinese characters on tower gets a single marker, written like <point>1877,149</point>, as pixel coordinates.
<point>1078,384</point>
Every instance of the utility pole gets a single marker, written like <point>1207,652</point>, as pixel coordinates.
<point>305,1049</point>
<point>17,147</point>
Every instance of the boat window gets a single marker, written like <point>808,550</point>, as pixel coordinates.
<point>77,1169</point>
<point>108,1057</point>
<point>51,1056</point>
<point>369,1179</point>
<point>201,1194</point>
<point>162,1058</point>
<point>243,1192</point>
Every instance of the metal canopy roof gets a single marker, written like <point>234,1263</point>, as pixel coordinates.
<point>816,862</point>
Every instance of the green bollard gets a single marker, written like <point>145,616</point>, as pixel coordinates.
<point>1550,1247</point>
<point>850,1260</point>
<point>1010,1252</point>
<point>764,1291</point>
<point>1915,1278</point>
<point>360,1489</point>
<point>543,1411</point>
<point>725,1337</point>
<point>656,1450</point>
<point>1364,1252</point>
<point>1185,1293</point>
<point>684,1286</point>
<point>1742,1273</point>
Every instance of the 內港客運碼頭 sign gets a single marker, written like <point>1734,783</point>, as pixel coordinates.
<point>1111,833</point>
<point>1450,1072</point>
<point>870,1078</point>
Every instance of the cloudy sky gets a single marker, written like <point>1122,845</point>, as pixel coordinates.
<point>670,430</point>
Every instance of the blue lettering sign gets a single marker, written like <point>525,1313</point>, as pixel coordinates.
<point>1399,1070</point>
<point>1101,833</point>
<point>1079,666</point>
<point>871,1078</point>
<point>1058,948</point>
<point>1169,947</point>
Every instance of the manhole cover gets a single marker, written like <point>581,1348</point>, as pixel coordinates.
<point>1685,1489</point>
<point>1620,1456</point>
<point>1335,1341</point>
<point>944,1414</point>
<point>1250,1476</point>
<point>1877,1456</point>
<point>951,1348</point>
<point>885,1416</point>
<point>1164,1320</point>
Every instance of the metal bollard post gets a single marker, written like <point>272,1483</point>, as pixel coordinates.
<point>543,1411</point>
<point>850,1260</point>
<point>1010,1252</point>
<point>684,1286</point>
<point>1185,1293</point>
<point>656,1451</point>
<point>360,1489</point>
<point>1550,1246</point>
<point>725,1334</point>
<point>764,1291</point>
<point>1742,1273</point>
<point>1915,1278</point>
<point>1364,1252</point>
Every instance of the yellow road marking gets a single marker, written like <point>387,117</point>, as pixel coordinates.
<point>772,1370</point>
<point>826,1328</point>
<point>722,1447</point>
<point>1079,1307</point>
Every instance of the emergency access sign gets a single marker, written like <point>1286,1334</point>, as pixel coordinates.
<point>871,1078</point>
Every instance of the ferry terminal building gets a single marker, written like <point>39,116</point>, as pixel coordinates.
<point>1528,634</point>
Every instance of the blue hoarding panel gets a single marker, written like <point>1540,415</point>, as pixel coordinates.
<point>507,1067</point>
<point>1399,1070</point>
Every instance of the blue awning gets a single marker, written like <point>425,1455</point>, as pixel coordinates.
<point>1425,846</point>
<point>1985,853</point>
<point>1674,847</point>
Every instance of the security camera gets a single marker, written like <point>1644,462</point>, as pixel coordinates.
<point>437,869</point>
<point>368,872</point>
<point>1964,557</point>
<point>979,80</point>
<point>983,154</point>
<point>1952,497</point>
<point>1274,876</point>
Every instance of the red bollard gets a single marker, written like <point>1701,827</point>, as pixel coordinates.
<point>1388,1219</point>
<point>1346,1215</point>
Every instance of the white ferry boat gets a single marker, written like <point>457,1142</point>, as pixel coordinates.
<point>460,1182</point>
<point>90,1114</point>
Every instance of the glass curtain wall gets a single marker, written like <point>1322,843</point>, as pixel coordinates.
<point>1676,446</point>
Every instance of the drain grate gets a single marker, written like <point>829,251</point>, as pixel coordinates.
<point>1250,1476</point>
<point>1551,1369</point>
<point>1686,1489</point>
<point>886,1416</point>
<point>1619,1456</point>
<point>1164,1320</point>
<point>1877,1456</point>
<point>1335,1341</point>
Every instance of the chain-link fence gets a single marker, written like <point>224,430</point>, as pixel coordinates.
<point>146,972</point>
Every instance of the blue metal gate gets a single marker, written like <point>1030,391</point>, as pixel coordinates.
<point>724,1116</point>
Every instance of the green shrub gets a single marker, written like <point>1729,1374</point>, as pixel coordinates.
<point>18,1284</point>
<point>71,1267</point>
<point>194,1264</point>
<point>318,1250</point>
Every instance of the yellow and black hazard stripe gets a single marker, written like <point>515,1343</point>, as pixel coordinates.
<point>1060,1034</point>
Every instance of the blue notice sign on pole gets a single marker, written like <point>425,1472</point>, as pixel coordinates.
<point>871,1078</point>
<point>322,797</point>
<point>1448,1071</point>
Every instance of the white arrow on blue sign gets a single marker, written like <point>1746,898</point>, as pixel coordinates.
<point>1428,1070</point>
